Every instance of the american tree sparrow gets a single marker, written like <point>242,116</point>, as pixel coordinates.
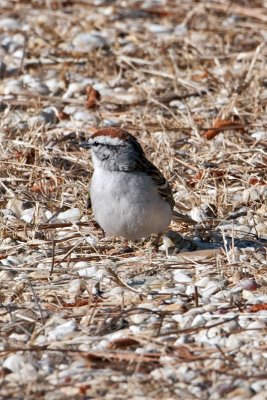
<point>130,197</point>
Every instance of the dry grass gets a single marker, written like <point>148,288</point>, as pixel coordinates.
<point>195,96</point>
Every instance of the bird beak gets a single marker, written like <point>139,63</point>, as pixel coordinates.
<point>85,145</point>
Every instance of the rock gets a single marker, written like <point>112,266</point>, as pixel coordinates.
<point>202,212</point>
<point>160,29</point>
<point>84,116</point>
<point>202,282</point>
<point>71,215</point>
<point>199,320</point>
<point>255,328</point>
<point>14,362</point>
<point>87,41</point>
<point>27,215</point>
<point>49,115</point>
<point>60,331</point>
<point>248,284</point>
<point>255,194</point>
<point>261,230</point>
<point>12,86</point>
<point>75,287</point>
<point>211,288</point>
<point>9,24</point>
<point>35,85</point>
<point>84,269</point>
<point>259,135</point>
<point>75,88</point>
<point>180,277</point>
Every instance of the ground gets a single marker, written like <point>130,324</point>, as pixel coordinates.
<point>80,318</point>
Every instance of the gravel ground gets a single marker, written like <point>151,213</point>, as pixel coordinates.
<point>79,317</point>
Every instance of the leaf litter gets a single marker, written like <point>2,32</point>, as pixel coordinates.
<point>79,317</point>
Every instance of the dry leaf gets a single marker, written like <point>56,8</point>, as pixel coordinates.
<point>221,125</point>
<point>93,97</point>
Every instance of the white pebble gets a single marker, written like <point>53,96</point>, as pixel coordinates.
<point>259,135</point>
<point>248,295</point>
<point>181,277</point>
<point>9,24</point>
<point>201,212</point>
<point>92,272</point>
<point>138,318</point>
<point>190,290</point>
<point>255,328</point>
<point>13,260</point>
<point>248,284</point>
<point>211,288</point>
<point>157,28</point>
<point>88,41</point>
<point>261,230</point>
<point>62,330</point>
<point>202,282</point>
<point>81,264</point>
<point>73,88</point>
<point>199,320</point>
<point>233,342</point>
<point>14,362</point>
<point>12,87</point>
<point>19,337</point>
<point>254,194</point>
<point>84,116</point>
<point>27,215</point>
<point>75,287</point>
<point>71,215</point>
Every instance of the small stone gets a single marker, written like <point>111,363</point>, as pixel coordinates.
<point>199,320</point>
<point>27,215</point>
<point>6,275</point>
<point>94,272</point>
<point>211,288</point>
<point>74,88</point>
<point>255,194</point>
<point>178,104</point>
<point>23,337</point>
<point>202,282</point>
<point>88,41</point>
<point>248,284</point>
<point>181,277</point>
<point>84,270</point>
<point>233,342</point>
<point>62,330</point>
<point>248,295</point>
<point>259,135</point>
<point>255,328</point>
<point>202,212</point>
<point>9,24</point>
<point>34,85</point>
<point>71,215</point>
<point>49,115</point>
<point>159,29</point>
<point>54,85</point>
<point>13,260</point>
<point>84,116</point>
<point>261,230</point>
<point>75,287</point>
<point>14,362</point>
<point>190,290</point>
<point>139,318</point>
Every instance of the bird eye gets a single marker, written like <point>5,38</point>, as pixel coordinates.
<point>96,144</point>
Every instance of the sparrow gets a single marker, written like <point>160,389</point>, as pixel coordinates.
<point>129,195</point>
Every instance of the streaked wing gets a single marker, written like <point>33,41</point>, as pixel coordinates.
<point>162,184</point>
